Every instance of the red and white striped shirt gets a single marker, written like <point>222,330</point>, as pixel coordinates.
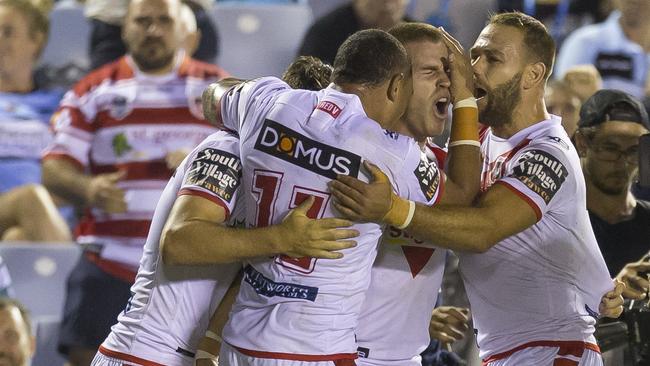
<point>120,119</point>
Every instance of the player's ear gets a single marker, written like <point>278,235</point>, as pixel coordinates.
<point>581,142</point>
<point>395,86</point>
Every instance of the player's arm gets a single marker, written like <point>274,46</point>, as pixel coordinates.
<point>464,163</point>
<point>210,344</point>
<point>195,234</point>
<point>499,213</point>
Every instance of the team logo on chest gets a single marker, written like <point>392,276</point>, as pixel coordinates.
<point>119,107</point>
<point>286,144</point>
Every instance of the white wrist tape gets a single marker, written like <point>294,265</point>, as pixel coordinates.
<point>202,355</point>
<point>212,335</point>
<point>465,142</point>
<point>409,217</point>
<point>467,102</point>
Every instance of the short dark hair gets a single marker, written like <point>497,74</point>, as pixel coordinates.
<point>415,32</point>
<point>308,72</point>
<point>537,39</point>
<point>37,21</point>
<point>369,57</point>
<point>8,303</point>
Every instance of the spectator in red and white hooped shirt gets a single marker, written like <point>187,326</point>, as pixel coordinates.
<point>119,135</point>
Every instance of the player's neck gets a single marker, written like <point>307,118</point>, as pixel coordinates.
<point>525,115</point>
<point>372,101</point>
<point>610,208</point>
<point>16,82</point>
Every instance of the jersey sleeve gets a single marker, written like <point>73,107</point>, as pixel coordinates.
<point>72,124</point>
<point>213,171</point>
<point>537,174</point>
<point>246,98</point>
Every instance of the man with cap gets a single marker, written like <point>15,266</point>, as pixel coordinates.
<point>611,123</point>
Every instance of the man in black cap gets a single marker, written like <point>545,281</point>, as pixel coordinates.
<point>611,123</point>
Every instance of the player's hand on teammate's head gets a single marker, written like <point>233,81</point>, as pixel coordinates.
<point>316,238</point>
<point>363,202</point>
<point>461,73</point>
<point>448,323</point>
<point>611,305</point>
<point>636,285</point>
<point>103,192</point>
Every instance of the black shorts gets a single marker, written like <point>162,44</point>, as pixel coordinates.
<point>93,301</point>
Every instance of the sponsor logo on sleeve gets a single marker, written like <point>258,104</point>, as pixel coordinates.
<point>428,176</point>
<point>329,108</point>
<point>286,144</point>
<point>217,171</point>
<point>268,288</point>
<point>541,172</point>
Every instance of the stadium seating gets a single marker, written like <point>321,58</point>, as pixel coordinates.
<point>38,273</point>
<point>47,337</point>
<point>69,37</point>
<point>259,39</point>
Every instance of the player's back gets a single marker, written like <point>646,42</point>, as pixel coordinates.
<point>170,306</point>
<point>544,283</point>
<point>293,143</point>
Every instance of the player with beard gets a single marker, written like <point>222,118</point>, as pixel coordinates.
<point>119,135</point>
<point>535,277</point>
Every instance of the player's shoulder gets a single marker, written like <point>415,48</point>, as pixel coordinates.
<point>221,138</point>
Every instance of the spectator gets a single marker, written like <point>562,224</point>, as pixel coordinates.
<point>17,343</point>
<point>28,212</point>
<point>618,48</point>
<point>326,35</point>
<point>562,101</point>
<point>607,139</point>
<point>119,134</point>
<point>106,43</point>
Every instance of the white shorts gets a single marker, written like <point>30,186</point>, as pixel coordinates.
<point>104,360</point>
<point>415,361</point>
<point>229,356</point>
<point>549,354</point>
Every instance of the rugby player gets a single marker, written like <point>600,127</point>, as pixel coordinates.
<point>535,277</point>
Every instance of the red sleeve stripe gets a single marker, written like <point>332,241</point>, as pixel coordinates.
<point>127,358</point>
<point>562,345</point>
<point>297,356</point>
<point>214,199</point>
<point>528,200</point>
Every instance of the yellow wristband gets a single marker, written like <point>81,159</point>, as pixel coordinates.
<point>400,213</point>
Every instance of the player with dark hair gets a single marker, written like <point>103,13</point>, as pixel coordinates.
<point>293,143</point>
<point>535,277</point>
<point>308,72</point>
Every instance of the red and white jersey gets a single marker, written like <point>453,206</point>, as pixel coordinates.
<point>120,119</point>
<point>171,306</point>
<point>293,142</point>
<point>406,278</point>
<point>546,282</point>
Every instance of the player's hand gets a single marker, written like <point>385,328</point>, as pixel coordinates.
<point>584,80</point>
<point>363,202</point>
<point>173,159</point>
<point>449,323</point>
<point>611,305</point>
<point>636,287</point>
<point>103,192</point>
<point>460,69</point>
<point>322,238</point>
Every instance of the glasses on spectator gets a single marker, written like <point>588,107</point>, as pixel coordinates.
<point>610,153</point>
